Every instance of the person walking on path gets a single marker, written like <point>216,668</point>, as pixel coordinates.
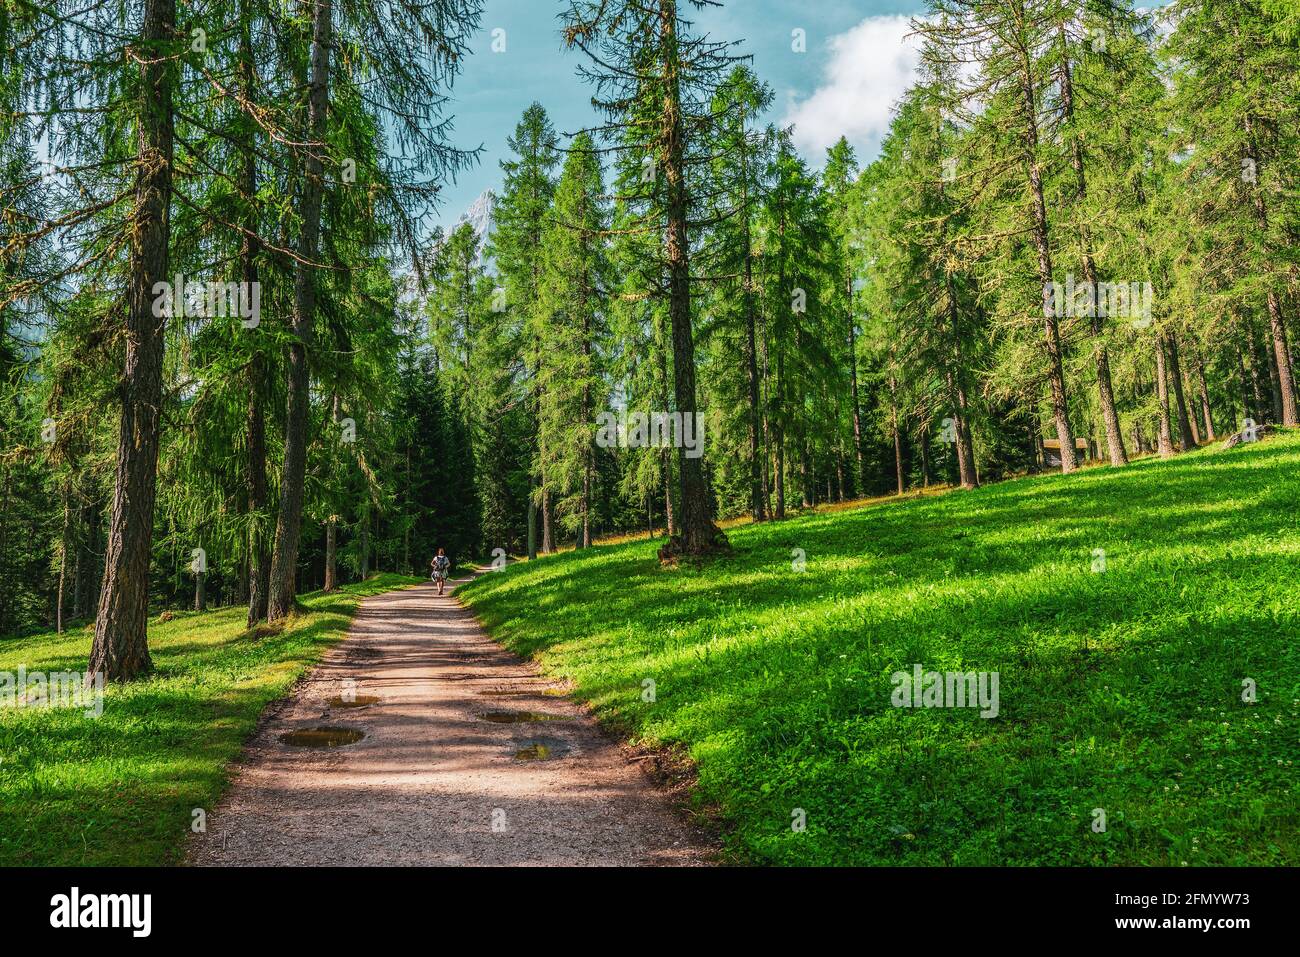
<point>438,569</point>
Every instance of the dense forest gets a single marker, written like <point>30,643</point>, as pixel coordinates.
<point>238,360</point>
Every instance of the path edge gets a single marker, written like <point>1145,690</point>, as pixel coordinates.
<point>670,771</point>
<point>269,713</point>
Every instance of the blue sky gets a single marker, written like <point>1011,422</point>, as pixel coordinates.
<point>855,66</point>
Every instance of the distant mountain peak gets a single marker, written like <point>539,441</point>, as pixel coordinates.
<point>480,216</point>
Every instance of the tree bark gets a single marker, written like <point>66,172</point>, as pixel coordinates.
<point>1105,390</point>
<point>925,455</point>
<point>1166,442</point>
<point>697,532</point>
<point>1205,399</point>
<point>858,448</point>
<point>1051,330</point>
<point>120,650</point>
<point>588,414</point>
<point>1190,392</point>
<point>955,379</point>
<point>666,473</point>
<point>259,552</point>
<point>288,527</point>
<point>1284,390</point>
<point>331,523</point>
<point>756,508</point>
<point>65,546</point>
<point>365,544</point>
<point>548,536</point>
<point>1282,362</point>
<point>805,473</point>
<point>778,433</point>
<point>898,438</point>
<point>532,518</point>
<point>1185,433</point>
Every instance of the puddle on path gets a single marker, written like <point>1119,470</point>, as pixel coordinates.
<point>356,701</point>
<point>544,749</point>
<point>521,717</point>
<point>323,737</point>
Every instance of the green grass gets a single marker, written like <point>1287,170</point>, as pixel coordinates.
<point>1119,690</point>
<point>120,789</point>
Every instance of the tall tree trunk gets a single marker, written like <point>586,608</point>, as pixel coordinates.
<point>767,468</point>
<point>259,551</point>
<point>1281,365</point>
<point>778,433</point>
<point>1274,385</point>
<point>666,473</point>
<point>778,470</point>
<point>588,414</point>
<point>1190,392</point>
<point>331,555</point>
<point>78,558</point>
<point>1166,441</point>
<point>898,437</point>
<point>1282,362</point>
<point>364,542</point>
<point>120,650</point>
<point>1176,377</point>
<point>1139,440</point>
<point>1105,390</point>
<point>331,523</point>
<point>697,532</point>
<point>858,448</point>
<point>925,455</point>
<point>1042,243</point>
<point>65,546</point>
<point>756,508</point>
<point>532,518</point>
<point>548,534</point>
<point>1205,398</point>
<point>839,477</point>
<point>805,472</point>
<point>288,526</point>
<point>585,532</point>
<point>955,379</point>
<point>536,478</point>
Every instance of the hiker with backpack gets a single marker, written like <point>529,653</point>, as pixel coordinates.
<point>439,567</point>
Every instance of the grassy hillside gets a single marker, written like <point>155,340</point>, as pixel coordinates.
<point>121,788</point>
<point>1119,689</point>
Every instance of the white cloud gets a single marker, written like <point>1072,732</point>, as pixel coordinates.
<point>867,71</point>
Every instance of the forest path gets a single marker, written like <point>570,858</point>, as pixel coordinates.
<point>432,781</point>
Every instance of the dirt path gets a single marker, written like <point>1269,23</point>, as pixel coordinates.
<point>432,781</point>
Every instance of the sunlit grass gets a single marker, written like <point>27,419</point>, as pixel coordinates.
<point>1119,690</point>
<point>121,789</point>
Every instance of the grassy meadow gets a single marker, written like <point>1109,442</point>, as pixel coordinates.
<point>1121,674</point>
<point>120,789</point>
